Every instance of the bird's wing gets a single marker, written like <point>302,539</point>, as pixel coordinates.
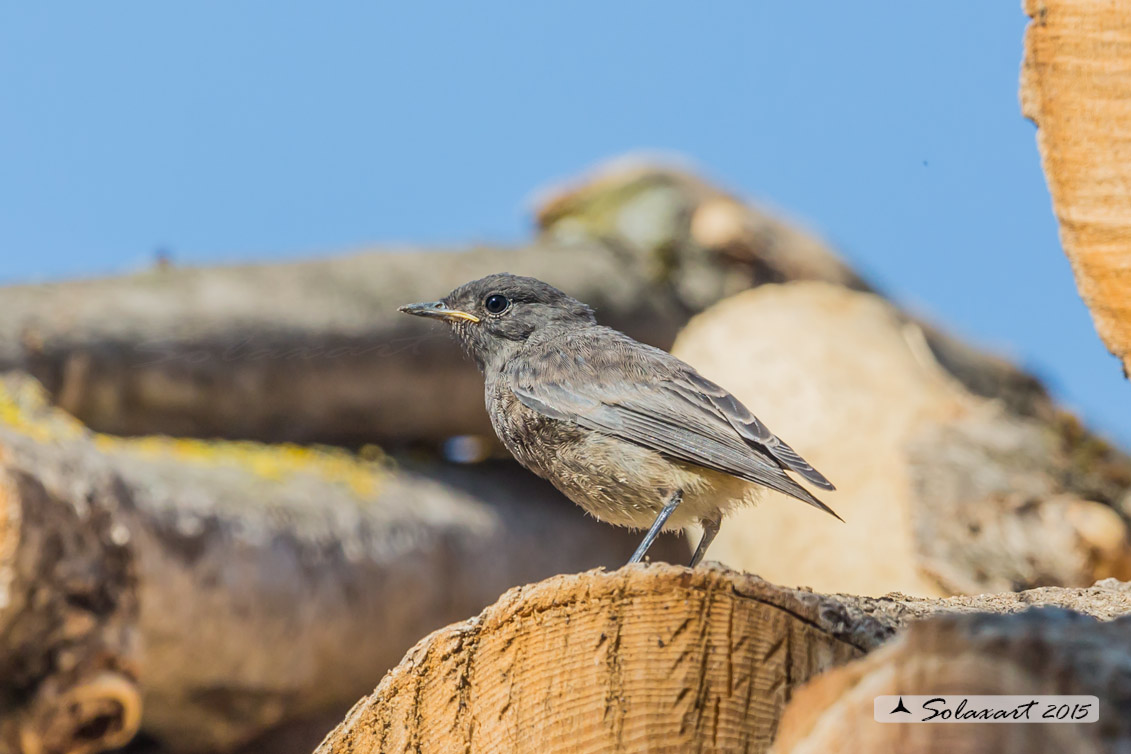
<point>749,426</point>
<point>650,398</point>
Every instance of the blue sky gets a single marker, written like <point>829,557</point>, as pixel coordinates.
<point>255,131</point>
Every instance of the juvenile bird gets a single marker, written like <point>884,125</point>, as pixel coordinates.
<point>629,432</point>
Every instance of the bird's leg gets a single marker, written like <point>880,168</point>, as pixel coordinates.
<point>661,519</point>
<point>710,529</point>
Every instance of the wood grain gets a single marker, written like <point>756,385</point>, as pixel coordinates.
<point>644,659</point>
<point>1076,86</point>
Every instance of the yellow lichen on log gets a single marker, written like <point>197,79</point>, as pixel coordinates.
<point>26,408</point>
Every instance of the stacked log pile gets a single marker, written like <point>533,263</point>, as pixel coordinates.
<point>181,555</point>
<point>231,589</point>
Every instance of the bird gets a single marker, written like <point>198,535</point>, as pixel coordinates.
<point>629,432</point>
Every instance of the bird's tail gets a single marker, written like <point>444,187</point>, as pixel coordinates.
<point>782,483</point>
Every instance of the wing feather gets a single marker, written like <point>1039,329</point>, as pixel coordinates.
<point>751,428</point>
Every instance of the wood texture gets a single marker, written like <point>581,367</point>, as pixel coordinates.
<point>1075,83</point>
<point>645,659</point>
<point>221,589</point>
<point>1034,653</point>
<point>973,492</point>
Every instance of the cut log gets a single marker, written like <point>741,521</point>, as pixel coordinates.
<point>1074,85</point>
<point>971,494</point>
<point>224,588</point>
<point>645,659</point>
<point>1041,652</point>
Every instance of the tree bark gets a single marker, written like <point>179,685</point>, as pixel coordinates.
<point>974,494</point>
<point>217,590</point>
<point>648,658</point>
<point>1035,653</point>
<point>1074,84</point>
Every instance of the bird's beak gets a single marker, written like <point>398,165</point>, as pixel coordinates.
<point>439,310</point>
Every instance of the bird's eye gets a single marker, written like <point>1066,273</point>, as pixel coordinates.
<point>496,303</point>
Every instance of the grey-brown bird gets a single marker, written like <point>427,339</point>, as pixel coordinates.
<point>630,433</point>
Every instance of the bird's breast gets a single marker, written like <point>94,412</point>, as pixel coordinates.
<point>530,436</point>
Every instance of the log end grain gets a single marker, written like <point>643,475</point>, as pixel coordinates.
<point>605,661</point>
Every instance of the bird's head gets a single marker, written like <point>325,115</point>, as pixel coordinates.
<point>494,316</point>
